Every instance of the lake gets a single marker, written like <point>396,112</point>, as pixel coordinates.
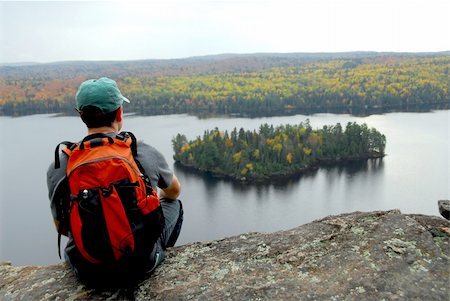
<point>412,177</point>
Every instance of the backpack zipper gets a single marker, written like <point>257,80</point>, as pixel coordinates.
<point>138,172</point>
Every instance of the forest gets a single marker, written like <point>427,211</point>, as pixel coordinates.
<point>257,85</point>
<point>276,152</point>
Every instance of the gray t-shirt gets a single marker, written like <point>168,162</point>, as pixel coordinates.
<point>155,165</point>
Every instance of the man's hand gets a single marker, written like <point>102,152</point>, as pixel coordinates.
<point>172,191</point>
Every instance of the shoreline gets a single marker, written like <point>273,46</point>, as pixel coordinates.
<point>263,179</point>
<point>356,110</point>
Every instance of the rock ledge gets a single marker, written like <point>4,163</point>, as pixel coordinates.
<point>356,256</point>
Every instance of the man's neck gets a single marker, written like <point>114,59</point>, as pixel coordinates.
<point>103,129</point>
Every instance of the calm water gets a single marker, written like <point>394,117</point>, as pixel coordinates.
<point>413,176</point>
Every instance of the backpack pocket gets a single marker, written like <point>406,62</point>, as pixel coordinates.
<point>145,217</point>
<point>100,225</point>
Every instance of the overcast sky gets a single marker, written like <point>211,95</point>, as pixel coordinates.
<point>124,30</point>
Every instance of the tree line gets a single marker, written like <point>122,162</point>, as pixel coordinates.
<point>319,85</point>
<point>276,151</point>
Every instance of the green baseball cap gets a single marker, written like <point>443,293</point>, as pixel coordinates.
<point>102,93</point>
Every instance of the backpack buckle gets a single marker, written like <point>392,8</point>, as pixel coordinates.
<point>107,191</point>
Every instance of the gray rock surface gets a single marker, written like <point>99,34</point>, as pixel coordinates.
<point>358,256</point>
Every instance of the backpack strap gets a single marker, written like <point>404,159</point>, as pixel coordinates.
<point>71,146</point>
<point>134,147</point>
<point>124,136</point>
<point>59,238</point>
<point>68,144</point>
<point>59,245</point>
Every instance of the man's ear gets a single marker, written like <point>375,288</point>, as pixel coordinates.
<point>119,113</point>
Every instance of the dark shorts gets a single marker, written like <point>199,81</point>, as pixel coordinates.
<point>173,215</point>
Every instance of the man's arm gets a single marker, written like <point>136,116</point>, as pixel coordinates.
<point>172,191</point>
<point>158,170</point>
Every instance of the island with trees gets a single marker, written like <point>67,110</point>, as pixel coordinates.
<point>276,152</point>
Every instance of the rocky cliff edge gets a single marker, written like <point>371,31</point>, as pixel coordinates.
<point>382,255</point>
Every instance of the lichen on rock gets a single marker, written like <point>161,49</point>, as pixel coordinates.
<point>357,256</point>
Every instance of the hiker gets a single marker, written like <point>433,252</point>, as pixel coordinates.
<point>103,195</point>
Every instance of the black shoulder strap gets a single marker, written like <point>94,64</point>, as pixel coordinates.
<point>59,245</point>
<point>124,136</point>
<point>134,152</point>
<point>69,144</point>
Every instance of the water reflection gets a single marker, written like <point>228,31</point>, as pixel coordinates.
<point>213,202</point>
<point>333,172</point>
<point>353,168</point>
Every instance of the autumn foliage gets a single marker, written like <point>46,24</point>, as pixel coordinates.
<point>263,86</point>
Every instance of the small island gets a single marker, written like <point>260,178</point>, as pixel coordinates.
<point>277,152</point>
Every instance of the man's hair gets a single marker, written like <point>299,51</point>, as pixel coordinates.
<point>94,118</point>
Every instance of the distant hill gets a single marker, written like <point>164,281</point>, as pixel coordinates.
<point>256,84</point>
<point>198,65</point>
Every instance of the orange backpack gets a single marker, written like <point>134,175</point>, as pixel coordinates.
<point>114,213</point>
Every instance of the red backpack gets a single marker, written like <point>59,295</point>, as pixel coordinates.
<point>114,213</point>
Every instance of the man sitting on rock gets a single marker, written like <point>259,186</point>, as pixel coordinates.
<point>103,194</point>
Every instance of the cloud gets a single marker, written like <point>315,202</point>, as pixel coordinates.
<point>51,31</point>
